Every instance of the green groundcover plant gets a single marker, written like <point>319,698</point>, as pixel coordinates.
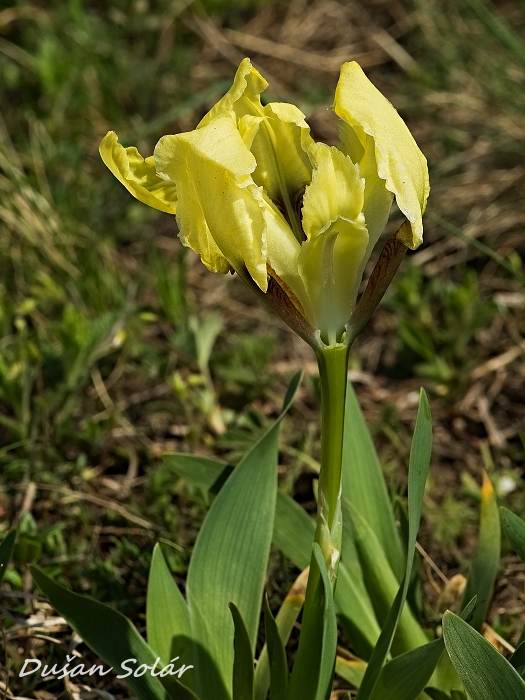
<point>297,221</point>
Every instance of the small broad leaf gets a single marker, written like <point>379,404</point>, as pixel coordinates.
<point>277,656</point>
<point>485,673</point>
<point>167,616</point>
<point>6,551</point>
<point>113,638</point>
<point>419,463</point>
<point>242,660</point>
<point>485,561</point>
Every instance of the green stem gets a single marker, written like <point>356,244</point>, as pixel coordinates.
<point>332,360</point>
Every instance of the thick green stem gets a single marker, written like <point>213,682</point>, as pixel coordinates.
<point>332,360</point>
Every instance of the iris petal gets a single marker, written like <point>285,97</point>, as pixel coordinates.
<point>281,150</point>
<point>138,175</point>
<point>277,135</point>
<point>221,211</point>
<point>331,259</point>
<point>400,163</point>
<point>243,97</point>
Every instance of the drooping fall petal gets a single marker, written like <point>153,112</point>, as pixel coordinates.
<point>400,163</point>
<point>138,175</point>
<point>221,211</point>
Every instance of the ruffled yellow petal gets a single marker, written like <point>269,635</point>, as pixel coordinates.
<point>243,97</point>
<point>138,175</point>
<point>328,266</point>
<point>277,135</point>
<point>336,191</point>
<point>283,252</point>
<point>400,163</point>
<point>331,259</point>
<point>377,199</point>
<point>281,149</point>
<point>221,210</point>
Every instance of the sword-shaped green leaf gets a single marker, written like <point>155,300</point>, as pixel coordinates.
<point>485,561</point>
<point>417,475</point>
<point>364,484</point>
<point>485,673</point>
<point>230,559</point>
<point>113,638</point>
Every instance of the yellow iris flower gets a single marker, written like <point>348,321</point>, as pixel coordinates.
<point>253,192</point>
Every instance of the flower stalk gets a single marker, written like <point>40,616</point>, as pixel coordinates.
<point>332,361</point>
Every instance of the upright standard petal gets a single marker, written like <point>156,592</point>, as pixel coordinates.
<point>277,135</point>
<point>377,199</point>
<point>220,214</point>
<point>138,175</point>
<point>331,259</point>
<point>243,97</point>
<point>400,163</point>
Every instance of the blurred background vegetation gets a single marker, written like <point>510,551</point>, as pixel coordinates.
<point>116,345</point>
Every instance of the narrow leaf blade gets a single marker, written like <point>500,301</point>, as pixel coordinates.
<point>407,675</point>
<point>514,529</point>
<point>364,484</point>
<point>419,464</point>
<point>485,562</point>
<point>243,659</point>
<point>277,656</point>
<point>314,664</point>
<point>285,620</point>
